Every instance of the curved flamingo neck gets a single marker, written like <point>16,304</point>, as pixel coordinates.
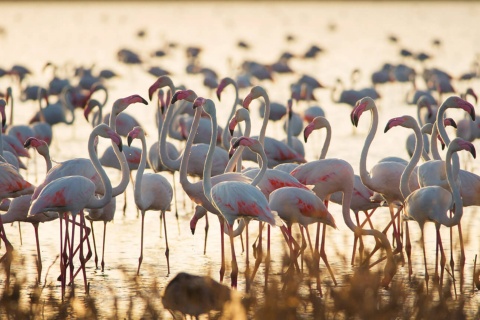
<point>207,170</point>
<point>266,116</point>
<point>457,199</point>
<point>67,104</point>
<point>263,168</point>
<point>434,143</point>
<point>164,156</point>
<point>364,175</point>
<point>443,133</point>
<point>326,143</point>
<point>97,203</point>
<point>237,156</point>
<point>187,185</point>
<point>171,132</point>
<point>226,133</point>
<point>417,154</point>
<point>140,170</point>
<point>10,97</point>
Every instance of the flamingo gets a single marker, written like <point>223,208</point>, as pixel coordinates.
<point>199,151</point>
<point>291,140</point>
<point>75,193</point>
<point>235,199</point>
<point>434,172</point>
<point>361,198</point>
<point>384,177</point>
<point>152,192</point>
<point>433,202</point>
<point>429,118</point>
<point>221,86</point>
<point>195,190</point>
<point>276,151</point>
<point>55,113</point>
<point>7,152</point>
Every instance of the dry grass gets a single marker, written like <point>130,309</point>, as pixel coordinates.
<point>288,296</point>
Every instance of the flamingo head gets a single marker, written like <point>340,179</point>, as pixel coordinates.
<point>3,103</point>
<point>424,102</point>
<point>207,104</point>
<point>458,144</point>
<point>33,142</point>
<point>188,95</point>
<point>361,106</point>
<point>472,93</point>
<point>232,124</point>
<point>40,145</point>
<point>106,132</point>
<point>251,143</point>
<point>162,81</point>
<point>317,123</point>
<point>223,83</point>
<point>122,103</point>
<point>255,93</point>
<point>404,121</point>
<point>135,133</point>
<point>449,122</point>
<point>92,103</point>
<point>457,102</point>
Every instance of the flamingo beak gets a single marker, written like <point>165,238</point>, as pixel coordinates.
<point>247,100</point>
<point>175,97</point>
<point>152,90</point>
<point>129,140</point>
<point>232,125</point>
<point>27,143</point>
<point>306,132</point>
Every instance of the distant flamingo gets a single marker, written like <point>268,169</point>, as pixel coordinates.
<point>152,192</point>
<point>291,140</point>
<point>73,194</point>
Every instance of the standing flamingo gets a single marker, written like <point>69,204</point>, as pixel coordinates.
<point>195,190</point>
<point>234,199</point>
<point>152,192</point>
<point>75,193</point>
<point>276,151</point>
<point>433,202</point>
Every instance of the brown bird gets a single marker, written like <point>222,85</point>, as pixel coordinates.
<point>194,295</point>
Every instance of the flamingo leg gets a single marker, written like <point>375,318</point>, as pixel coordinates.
<point>124,203</point>
<point>302,249</point>
<point>82,258</point>
<point>62,264</point>
<point>408,250</point>
<point>259,251</point>
<point>133,189</point>
<point>316,266</point>
<point>94,245</point>
<point>20,232</point>
<point>234,274</point>
<point>206,234</point>
<point>175,195</point>
<point>8,256</point>
<point>424,257</point>
<point>222,242</point>
<point>267,258</point>
<point>247,260</point>
<point>324,256</point>
<point>140,259</point>
<point>71,249</point>
<point>103,246</point>
<point>39,255</point>
<point>167,249</point>
<point>443,259</point>
<point>462,255</point>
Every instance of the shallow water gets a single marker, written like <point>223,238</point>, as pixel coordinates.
<point>354,35</point>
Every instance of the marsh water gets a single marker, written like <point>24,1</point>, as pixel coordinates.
<point>353,35</point>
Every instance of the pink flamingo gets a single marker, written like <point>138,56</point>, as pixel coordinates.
<point>235,199</point>
<point>221,86</point>
<point>384,177</point>
<point>73,194</point>
<point>152,192</point>
<point>361,198</point>
<point>276,151</point>
<point>432,203</point>
<point>195,190</point>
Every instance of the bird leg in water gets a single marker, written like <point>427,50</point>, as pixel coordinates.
<point>258,252</point>
<point>247,259</point>
<point>316,267</point>
<point>206,234</point>
<point>103,246</point>
<point>324,256</point>
<point>39,255</point>
<point>424,257</point>
<point>7,258</point>
<point>167,250</point>
<point>140,259</point>
<point>408,250</point>
<point>361,247</point>
<point>94,245</point>
<point>234,273</point>
<point>222,242</point>
<point>82,258</point>
<point>443,259</point>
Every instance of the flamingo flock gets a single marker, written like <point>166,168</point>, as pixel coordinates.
<point>240,177</point>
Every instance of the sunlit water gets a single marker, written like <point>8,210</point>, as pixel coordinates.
<point>353,36</point>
